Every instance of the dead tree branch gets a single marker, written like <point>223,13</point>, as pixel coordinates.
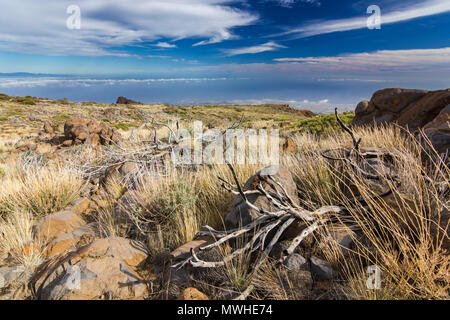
<point>279,220</point>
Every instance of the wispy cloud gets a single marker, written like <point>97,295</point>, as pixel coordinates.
<point>39,27</point>
<point>268,46</point>
<point>165,45</point>
<point>379,60</point>
<point>405,12</point>
<point>158,56</point>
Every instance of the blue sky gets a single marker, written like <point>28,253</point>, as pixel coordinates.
<point>320,46</point>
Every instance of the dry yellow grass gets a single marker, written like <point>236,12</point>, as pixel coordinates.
<point>401,233</point>
<point>16,233</point>
<point>397,231</point>
<point>39,190</point>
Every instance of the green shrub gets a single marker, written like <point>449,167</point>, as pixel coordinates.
<point>28,100</point>
<point>324,123</point>
<point>175,110</point>
<point>124,126</point>
<point>62,116</point>
<point>182,197</point>
<point>3,118</point>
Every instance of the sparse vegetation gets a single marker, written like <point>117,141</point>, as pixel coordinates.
<point>124,126</point>
<point>28,100</point>
<point>62,117</point>
<point>404,233</point>
<point>39,190</point>
<point>323,123</point>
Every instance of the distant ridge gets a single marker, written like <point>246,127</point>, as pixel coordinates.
<point>28,74</point>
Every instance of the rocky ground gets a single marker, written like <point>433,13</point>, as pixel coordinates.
<point>91,208</point>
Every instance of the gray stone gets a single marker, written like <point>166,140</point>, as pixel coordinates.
<point>322,269</point>
<point>301,278</point>
<point>296,262</point>
<point>362,107</point>
<point>10,274</point>
<point>240,214</point>
<point>343,237</point>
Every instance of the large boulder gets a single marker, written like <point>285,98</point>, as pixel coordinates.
<point>439,130</point>
<point>78,130</point>
<point>105,269</point>
<point>123,100</point>
<point>71,240</point>
<point>385,105</point>
<point>412,109</point>
<point>57,224</point>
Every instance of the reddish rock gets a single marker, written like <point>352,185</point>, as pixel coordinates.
<point>395,100</point>
<point>70,241</point>
<point>83,206</point>
<point>289,146</point>
<point>57,224</point>
<point>48,128</point>
<point>193,294</point>
<point>67,143</point>
<point>105,268</point>
<point>31,248</point>
<point>412,109</point>
<point>424,110</point>
<point>92,132</point>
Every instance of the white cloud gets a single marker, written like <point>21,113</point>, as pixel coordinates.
<point>415,59</point>
<point>268,46</point>
<point>158,56</point>
<point>165,45</point>
<point>399,14</point>
<point>39,27</point>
